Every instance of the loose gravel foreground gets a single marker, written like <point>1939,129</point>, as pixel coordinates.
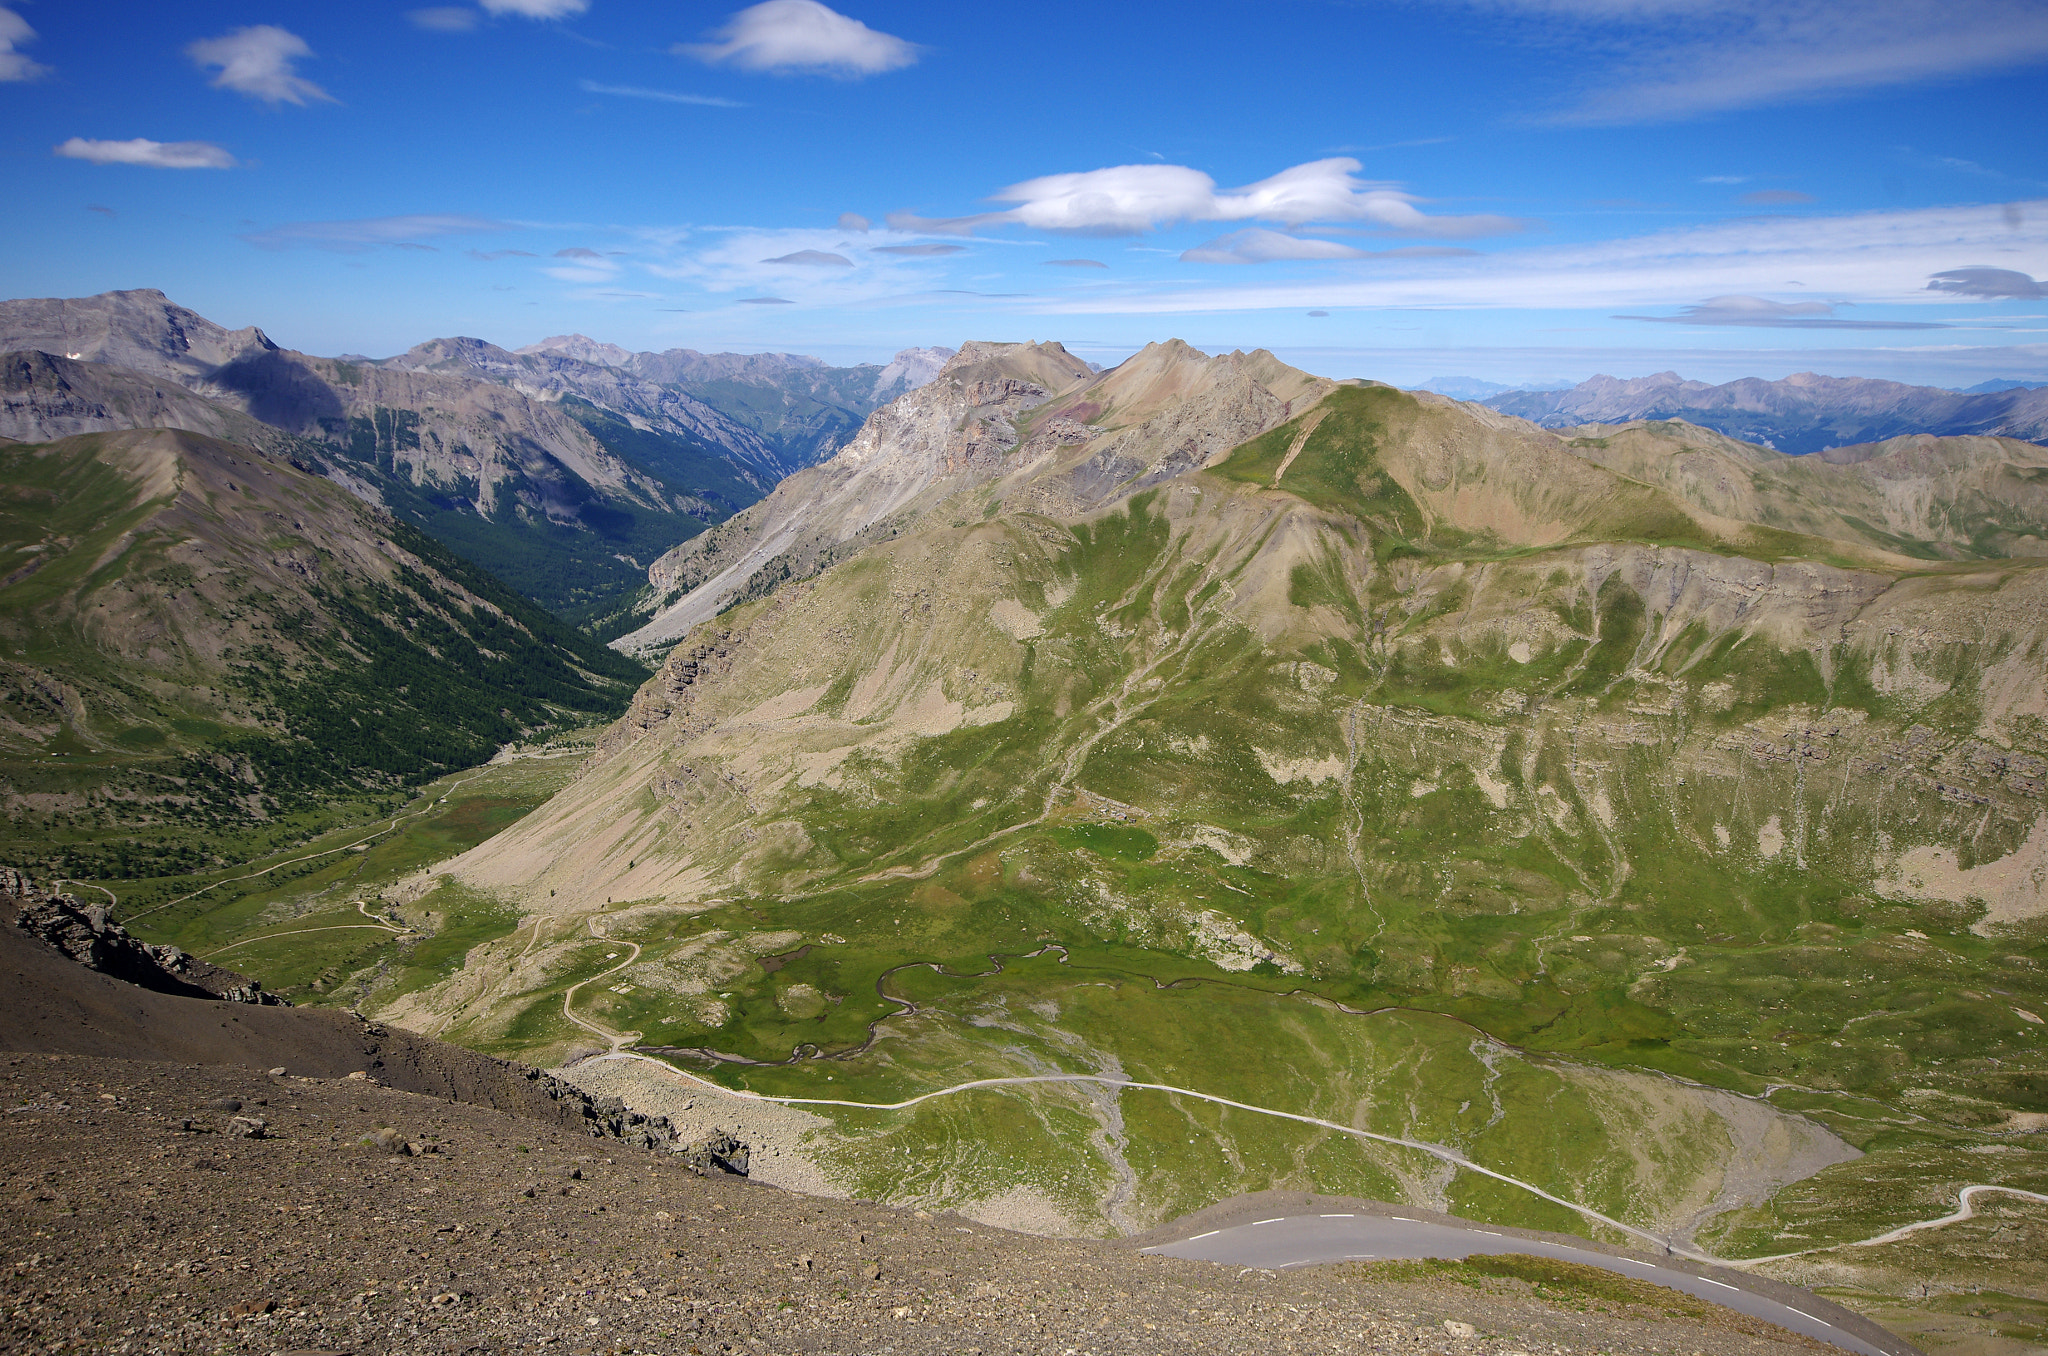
<point>174,1208</point>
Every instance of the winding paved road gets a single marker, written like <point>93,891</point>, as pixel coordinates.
<point>1305,1240</point>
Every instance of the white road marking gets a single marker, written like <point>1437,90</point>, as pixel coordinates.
<point>1723,1284</point>
<point>1404,1219</point>
<point>1489,1233</point>
<point>1275,1220</point>
<point>1211,1234</point>
<point>1634,1263</point>
<point>1340,1217</point>
<point>1810,1318</point>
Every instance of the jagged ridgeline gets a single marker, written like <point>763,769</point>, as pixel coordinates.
<point>198,639</point>
<point>1363,754</point>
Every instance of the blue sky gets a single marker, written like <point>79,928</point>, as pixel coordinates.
<point>1510,189</point>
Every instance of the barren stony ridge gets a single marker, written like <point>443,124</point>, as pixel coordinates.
<point>144,1215</point>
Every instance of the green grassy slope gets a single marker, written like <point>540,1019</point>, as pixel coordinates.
<point>207,650</point>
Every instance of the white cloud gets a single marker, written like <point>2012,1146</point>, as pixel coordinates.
<point>1132,199</point>
<point>854,221</point>
<point>1685,58</point>
<point>154,154</point>
<point>259,61</point>
<point>660,96</point>
<point>536,9</point>
<point>444,18</point>
<point>801,35</point>
<point>354,237</point>
<point>14,31</point>
<point>812,259</point>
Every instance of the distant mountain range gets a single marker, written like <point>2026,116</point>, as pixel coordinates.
<point>564,470</point>
<point>1801,414</point>
<point>803,408</point>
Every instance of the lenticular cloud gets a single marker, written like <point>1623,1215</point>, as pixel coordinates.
<point>1133,199</point>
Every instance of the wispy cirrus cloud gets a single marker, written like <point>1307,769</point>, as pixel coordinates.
<point>806,266</point>
<point>1260,246</point>
<point>1689,58</point>
<point>368,233</point>
<point>924,251</point>
<point>445,18</point>
<point>182,155</point>
<point>536,9</point>
<point>260,61</point>
<point>660,96</point>
<point>1763,313</point>
<point>1135,199</point>
<point>793,36</point>
<point>14,65</point>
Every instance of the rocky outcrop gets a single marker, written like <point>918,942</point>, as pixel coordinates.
<point>88,934</point>
<point>717,1153</point>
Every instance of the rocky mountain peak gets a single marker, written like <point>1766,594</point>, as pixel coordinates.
<point>582,348</point>
<point>1046,364</point>
<point>141,329</point>
<point>908,370</point>
<point>454,353</point>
